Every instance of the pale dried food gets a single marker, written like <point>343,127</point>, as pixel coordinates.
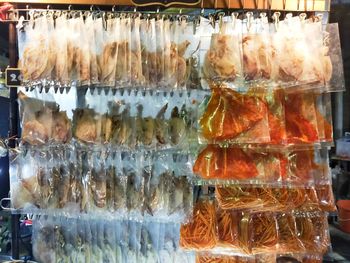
<point>290,61</point>
<point>221,59</point>
<point>35,59</point>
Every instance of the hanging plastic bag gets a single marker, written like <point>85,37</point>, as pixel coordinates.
<point>204,217</point>
<point>223,59</point>
<point>334,71</point>
<point>235,117</point>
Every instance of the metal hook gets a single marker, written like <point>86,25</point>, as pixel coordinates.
<point>234,17</point>
<point>113,8</point>
<point>276,18</point>
<point>320,17</point>
<point>302,17</point>
<point>91,8</point>
<point>249,21</point>
<point>289,16</point>
<point>263,17</point>
<point>27,15</point>
<point>221,15</point>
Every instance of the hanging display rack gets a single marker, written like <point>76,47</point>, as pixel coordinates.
<point>241,5</point>
<point>285,5</point>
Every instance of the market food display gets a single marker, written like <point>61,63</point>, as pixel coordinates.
<point>175,138</point>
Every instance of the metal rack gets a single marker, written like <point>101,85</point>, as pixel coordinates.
<point>309,6</point>
<point>282,5</point>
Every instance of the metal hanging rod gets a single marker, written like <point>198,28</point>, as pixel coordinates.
<point>274,5</point>
<point>14,14</point>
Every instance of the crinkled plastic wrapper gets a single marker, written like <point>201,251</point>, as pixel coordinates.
<point>332,47</point>
<point>98,240</point>
<point>215,164</point>
<point>235,117</point>
<point>207,257</point>
<point>200,232</point>
<point>43,121</point>
<point>279,199</point>
<point>237,232</point>
<point>100,183</point>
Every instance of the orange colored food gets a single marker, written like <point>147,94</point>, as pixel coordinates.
<point>230,113</point>
<point>200,232</point>
<point>224,163</point>
<point>299,113</point>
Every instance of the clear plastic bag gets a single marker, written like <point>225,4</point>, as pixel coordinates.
<point>227,223</point>
<point>137,77</point>
<point>44,247</point>
<point>204,217</point>
<point>74,52</point>
<point>334,71</point>
<point>42,122</point>
<point>313,232</point>
<point>85,125</point>
<point>223,59</point>
<point>257,50</point>
<point>123,53</point>
<point>300,118</point>
<point>323,110</point>
<point>240,164</point>
<point>234,117</point>
<point>288,240</point>
<point>109,57</point>
<point>38,67</point>
<point>61,66</point>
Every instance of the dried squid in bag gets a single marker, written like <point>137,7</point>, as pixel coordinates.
<point>107,59</point>
<point>257,51</point>
<point>223,59</point>
<point>38,56</point>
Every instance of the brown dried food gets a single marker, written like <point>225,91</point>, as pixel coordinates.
<point>107,62</point>
<point>85,128</point>
<point>61,130</point>
<point>177,127</point>
<point>160,125</point>
<point>35,133</point>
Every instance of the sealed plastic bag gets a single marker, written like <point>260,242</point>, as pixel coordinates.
<point>37,54</point>
<point>334,72</point>
<point>222,60</point>
<point>136,75</point>
<point>235,117</point>
<point>200,232</point>
<point>301,118</point>
<point>107,61</point>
